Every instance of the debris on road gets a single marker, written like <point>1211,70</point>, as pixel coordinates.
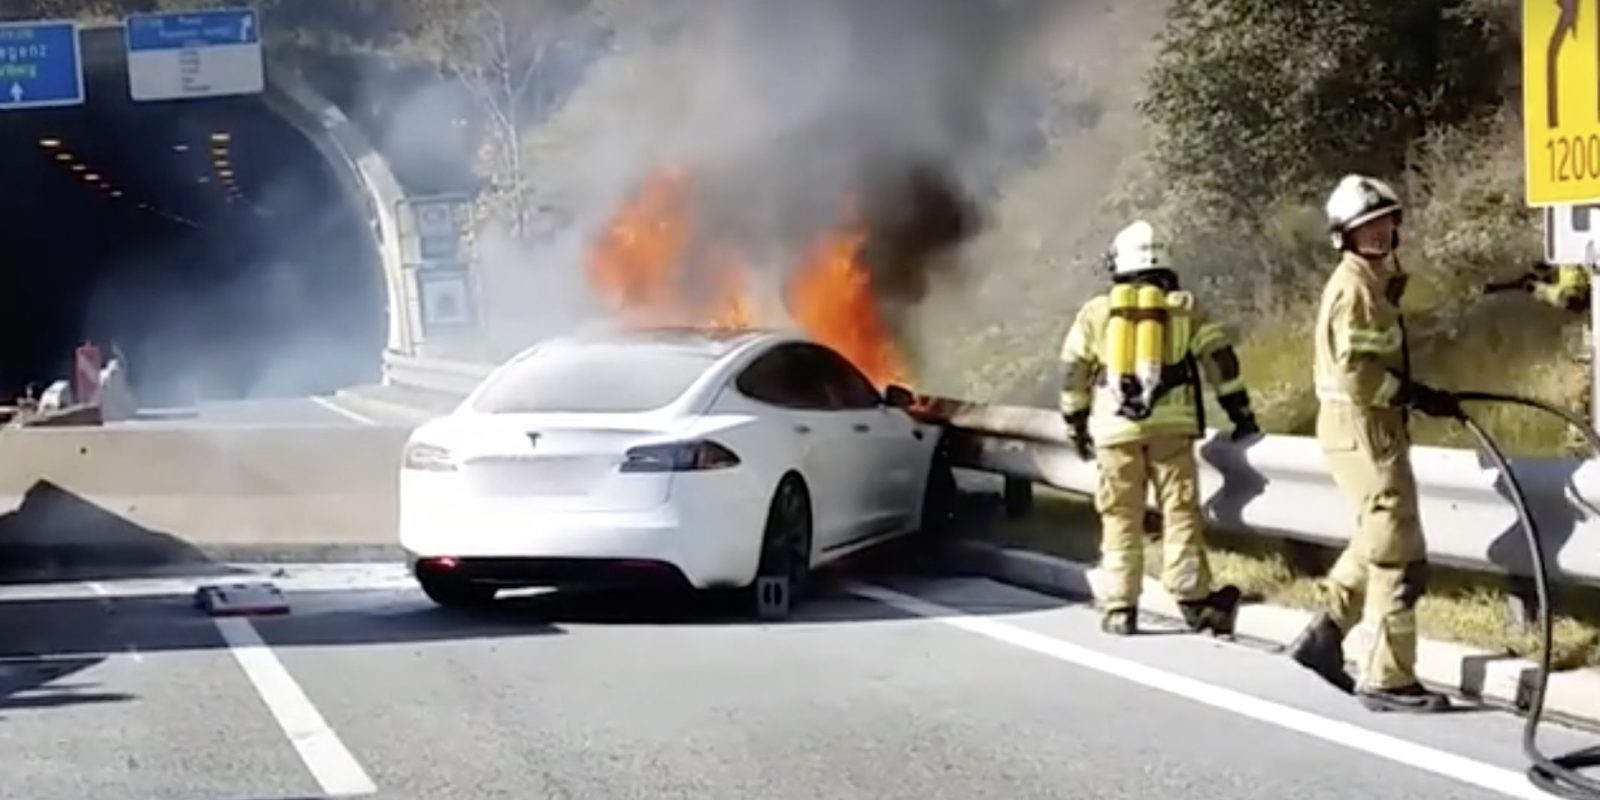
<point>241,600</point>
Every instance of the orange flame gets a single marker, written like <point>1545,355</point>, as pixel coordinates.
<point>641,266</point>
<point>831,297</point>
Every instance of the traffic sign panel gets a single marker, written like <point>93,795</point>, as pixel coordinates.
<point>1572,234</point>
<point>1561,102</point>
<point>40,65</point>
<point>194,54</point>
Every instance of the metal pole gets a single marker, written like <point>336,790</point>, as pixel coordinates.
<point>1593,263</point>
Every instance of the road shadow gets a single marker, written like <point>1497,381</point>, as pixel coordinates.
<point>55,534</point>
<point>32,684</point>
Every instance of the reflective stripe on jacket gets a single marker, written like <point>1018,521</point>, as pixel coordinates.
<point>1359,339</point>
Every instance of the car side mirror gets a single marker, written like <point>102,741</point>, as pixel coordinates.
<point>899,397</point>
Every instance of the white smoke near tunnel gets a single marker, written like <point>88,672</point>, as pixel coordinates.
<point>782,113</point>
<point>280,299</point>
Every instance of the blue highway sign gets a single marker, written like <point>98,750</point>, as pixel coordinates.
<point>192,30</point>
<point>40,65</point>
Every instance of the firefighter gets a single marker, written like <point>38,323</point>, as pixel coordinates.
<point>1566,288</point>
<point>1364,390</point>
<point>1134,363</point>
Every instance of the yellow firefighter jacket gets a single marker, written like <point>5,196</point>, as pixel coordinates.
<point>1191,343</point>
<point>1360,344</point>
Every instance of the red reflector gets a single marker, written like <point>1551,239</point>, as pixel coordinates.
<point>445,562</point>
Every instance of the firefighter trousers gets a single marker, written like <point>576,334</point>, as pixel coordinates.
<point>1126,473</point>
<point>1383,572</point>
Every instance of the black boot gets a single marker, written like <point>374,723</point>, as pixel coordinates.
<point>1217,612</point>
<point>1120,622</point>
<point>1410,699</point>
<point>1320,648</point>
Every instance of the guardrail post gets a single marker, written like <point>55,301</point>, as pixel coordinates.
<point>1018,495</point>
<point>1522,604</point>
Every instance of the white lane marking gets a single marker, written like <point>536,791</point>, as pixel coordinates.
<point>335,769</point>
<point>100,591</point>
<point>1439,762</point>
<point>334,406</point>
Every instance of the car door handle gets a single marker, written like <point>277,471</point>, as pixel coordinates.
<point>802,429</point>
<point>862,427</point>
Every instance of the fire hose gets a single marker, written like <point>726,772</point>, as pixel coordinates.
<point>1560,776</point>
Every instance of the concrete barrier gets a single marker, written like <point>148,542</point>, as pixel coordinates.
<point>105,499</point>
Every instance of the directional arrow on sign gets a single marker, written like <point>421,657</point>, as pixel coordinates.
<point>16,92</point>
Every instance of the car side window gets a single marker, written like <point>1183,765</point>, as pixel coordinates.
<point>847,388</point>
<point>784,377</point>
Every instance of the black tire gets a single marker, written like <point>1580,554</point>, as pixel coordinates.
<point>784,571</point>
<point>453,592</point>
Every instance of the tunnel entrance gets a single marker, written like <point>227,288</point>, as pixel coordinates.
<point>209,242</point>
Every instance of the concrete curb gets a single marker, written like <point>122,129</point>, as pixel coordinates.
<point>1473,673</point>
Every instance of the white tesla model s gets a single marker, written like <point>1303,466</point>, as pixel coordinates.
<point>690,457</point>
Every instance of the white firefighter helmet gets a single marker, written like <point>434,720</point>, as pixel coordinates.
<point>1136,249</point>
<point>1359,199</point>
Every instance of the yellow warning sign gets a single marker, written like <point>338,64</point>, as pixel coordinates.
<point>1561,100</point>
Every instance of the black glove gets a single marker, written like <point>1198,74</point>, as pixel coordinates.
<point>1078,434</point>
<point>1430,401</point>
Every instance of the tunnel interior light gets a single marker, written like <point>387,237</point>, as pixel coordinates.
<point>49,143</point>
<point>116,193</point>
<point>63,157</point>
<point>225,173</point>
<point>202,179</point>
<point>92,177</point>
<point>180,148</point>
<point>79,168</point>
<point>221,136</point>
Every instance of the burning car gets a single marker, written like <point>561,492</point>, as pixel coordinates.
<point>693,457</point>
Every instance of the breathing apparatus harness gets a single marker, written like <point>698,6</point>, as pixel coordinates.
<point>1561,776</point>
<point>1142,324</point>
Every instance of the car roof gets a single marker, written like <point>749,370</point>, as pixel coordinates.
<point>714,343</point>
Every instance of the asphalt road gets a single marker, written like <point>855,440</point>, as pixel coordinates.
<point>933,687</point>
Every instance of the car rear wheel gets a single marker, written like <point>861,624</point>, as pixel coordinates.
<point>454,592</point>
<point>785,566</point>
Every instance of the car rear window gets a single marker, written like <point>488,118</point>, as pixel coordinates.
<point>595,379</point>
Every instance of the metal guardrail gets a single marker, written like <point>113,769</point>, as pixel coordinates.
<point>434,375</point>
<point>1278,486</point>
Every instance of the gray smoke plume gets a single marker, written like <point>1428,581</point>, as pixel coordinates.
<point>796,118</point>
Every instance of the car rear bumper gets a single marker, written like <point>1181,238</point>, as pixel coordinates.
<point>555,572</point>
<point>708,546</point>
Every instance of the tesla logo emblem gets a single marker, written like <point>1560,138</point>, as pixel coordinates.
<point>533,439</point>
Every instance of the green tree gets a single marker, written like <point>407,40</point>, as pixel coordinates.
<point>1253,100</point>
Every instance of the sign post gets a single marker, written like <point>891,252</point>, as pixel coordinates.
<point>194,54</point>
<point>41,65</point>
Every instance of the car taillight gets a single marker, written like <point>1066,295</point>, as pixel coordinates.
<point>679,457</point>
<point>429,458</point>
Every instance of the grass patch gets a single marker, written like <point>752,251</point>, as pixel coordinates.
<point>1460,606</point>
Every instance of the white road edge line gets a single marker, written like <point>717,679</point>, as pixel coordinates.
<point>332,405</point>
<point>1439,762</point>
<point>335,769</point>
